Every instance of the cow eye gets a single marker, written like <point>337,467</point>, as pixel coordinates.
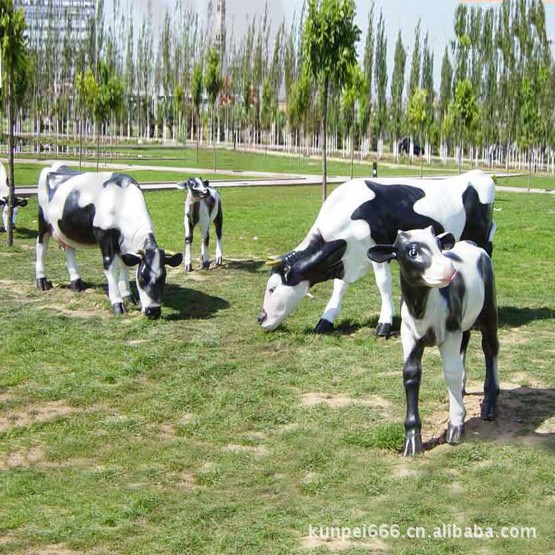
<point>412,251</point>
<point>272,289</point>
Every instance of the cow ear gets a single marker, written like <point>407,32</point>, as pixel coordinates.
<point>174,260</point>
<point>206,183</point>
<point>130,259</point>
<point>182,185</point>
<point>446,241</point>
<point>382,253</point>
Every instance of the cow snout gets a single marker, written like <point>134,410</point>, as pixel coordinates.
<point>153,312</point>
<point>262,317</point>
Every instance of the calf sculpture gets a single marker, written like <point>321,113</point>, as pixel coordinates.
<point>4,199</point>
<point>444,294</point>
<point>108,210</point>
<point>361,213</point>
<point>203,205</point>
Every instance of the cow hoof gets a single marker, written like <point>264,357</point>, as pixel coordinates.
<point>206,265</point>
<point>188,267</point>
<point>219,261</point>
<point>2,230</point>
<point>488,410</point>
<point>323,326</point>
<point>22,203</point>
<point>413,443</point>
<point>43,284</point>
<point>77,285</point>
<point>118,308</point>
<point>383,330</point>
<point>455,434</point>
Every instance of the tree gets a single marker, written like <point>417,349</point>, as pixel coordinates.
<point>380,74</point>
<point>196,97</point>
<point>13,53</point>
<point>269,108</point>
<point>329,43</point>
<point>353,94</point>
<point>397,86</point>
<point>417,116</point>
<point>368,70</point>
<point>415,63</point>
<point>213,84</point>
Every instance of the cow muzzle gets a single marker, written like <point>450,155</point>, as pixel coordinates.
<point>153,312</point>
<point>262,317</point>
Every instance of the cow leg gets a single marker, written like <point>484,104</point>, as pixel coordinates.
<point>325,325</point>
<point>123,283</point>
<point>490,346</point>
<point>189,227</point>
<point>218,224</point>
<point>41,247</point>
<point>412,373</point>
<point>204,254</point>
<point>14,217</point>
<point>109,247</point>
<point>5,217</point>
<point>383,281</point>
<point>464,346</point>
<point>75,282</point>
<point>453,370</point>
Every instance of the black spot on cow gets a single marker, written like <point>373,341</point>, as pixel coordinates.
<point>320,261</point>
<point>57,178</point>
<point>120,180</point>
<point>392,210</point>
<point>77,222</point>
<point>478,219</point>
<point>194,213</point>
<point>453,295</point>
<point>452,256</point>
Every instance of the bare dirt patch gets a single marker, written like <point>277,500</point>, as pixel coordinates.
<point>335,545</point>
<point>17,287</point>
<point>404,468</point>
<point>341,401</point>
<point>35,414</point>
<point>187,481</point>
<point>259,450</point>
<point>76,313</point>
<point>57,549</point>
<point>22,459</point>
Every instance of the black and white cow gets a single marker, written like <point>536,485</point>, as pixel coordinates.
<point>4,198</point>
<point>203,205</point>
<point>361,213</point>
<point>444,295</point>
<point>108,210</point>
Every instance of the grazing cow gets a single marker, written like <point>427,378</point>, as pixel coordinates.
<point>444,295</point>
<point>4,198</point>
<point>361,213</point>
<point>108,210</point>
<point>203,206</point>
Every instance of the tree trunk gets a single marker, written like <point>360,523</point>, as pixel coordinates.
<point>11,182</point>
<point>324,137</point>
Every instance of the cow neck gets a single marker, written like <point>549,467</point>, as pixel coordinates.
<point>415,297</point>
<point>141,238</point>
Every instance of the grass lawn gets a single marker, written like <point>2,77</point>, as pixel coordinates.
<point>199,433</point>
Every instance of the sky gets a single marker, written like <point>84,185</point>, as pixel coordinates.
<point>436,16</point>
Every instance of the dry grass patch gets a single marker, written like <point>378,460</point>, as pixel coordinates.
<point>35,414</point>
<point>259,450</point>
<point>22,458</point>
<point>340,401</point>
<point>337,545</point>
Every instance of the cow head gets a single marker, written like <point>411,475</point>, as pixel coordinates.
<point>284,291</point>
<point>197,187</point>
<point>151,275</point>
<point>418,253</point>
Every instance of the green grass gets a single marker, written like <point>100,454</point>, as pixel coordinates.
<point>195,434</point>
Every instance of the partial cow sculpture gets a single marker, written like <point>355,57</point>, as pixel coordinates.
<point>4,197</point>
<point>444,295</point>
<point>203,205</point>
<point>361,213</point>
<point>108,210</point>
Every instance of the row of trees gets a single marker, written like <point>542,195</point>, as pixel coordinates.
<point>492,101</point>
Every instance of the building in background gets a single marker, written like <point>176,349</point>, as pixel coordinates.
<point>59,16</point>
<point>220,34</point>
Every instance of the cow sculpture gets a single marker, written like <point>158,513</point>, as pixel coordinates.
<point>444,295</point>
<point>4,199</point>
<point>108,210</point>
<point>203,205</point>
<point>361,213</point>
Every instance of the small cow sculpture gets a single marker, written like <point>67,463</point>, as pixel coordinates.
<point>361,213</point>
<point>203,206</point>
<point>108,210</point>
<point>4,199</point>
<point>444,294</point>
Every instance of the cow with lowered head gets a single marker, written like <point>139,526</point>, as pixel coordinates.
<point>446,289</point>
<point>364,212</point>
<point>4,199</point>
<point>203,205</point>
<point>109,210</point>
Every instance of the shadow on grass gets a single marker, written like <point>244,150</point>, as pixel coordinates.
<point>522,417</point>
<point>349,326</point>
<point>191,304</point>
<point>514,317</point>
<point>25,233</point>
<point>250,266</point>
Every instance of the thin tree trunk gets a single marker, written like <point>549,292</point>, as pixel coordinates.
<point>11,184</point>
<point>324,153</point>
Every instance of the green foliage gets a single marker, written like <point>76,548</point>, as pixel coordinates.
<point>212,76</point>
